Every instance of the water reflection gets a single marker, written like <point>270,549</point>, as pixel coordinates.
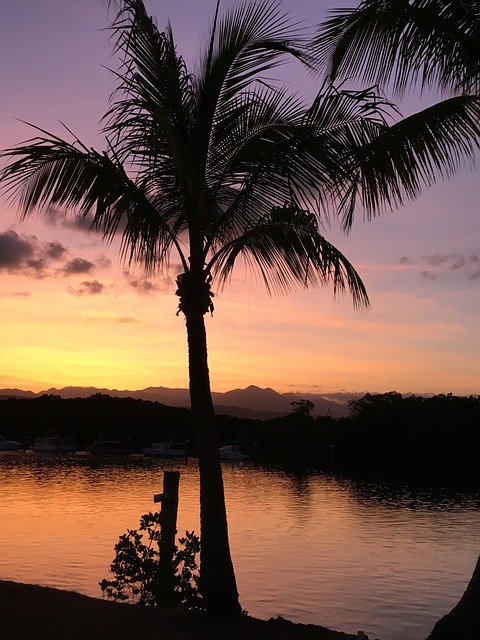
<point>310,547</point>
<point>407,497</point>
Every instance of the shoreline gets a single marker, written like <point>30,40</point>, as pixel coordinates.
<point>32,612</point>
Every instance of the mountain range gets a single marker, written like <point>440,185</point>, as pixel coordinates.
<point>252,402</point>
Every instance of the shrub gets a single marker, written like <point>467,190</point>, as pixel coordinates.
<point>136,568</point>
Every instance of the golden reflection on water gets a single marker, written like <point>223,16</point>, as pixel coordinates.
<point>311,548</point>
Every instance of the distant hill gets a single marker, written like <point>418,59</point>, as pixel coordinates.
<point>252,402</point>
<point>16,393</point>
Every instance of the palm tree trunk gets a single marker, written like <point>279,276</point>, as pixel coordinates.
<point>217,577</point>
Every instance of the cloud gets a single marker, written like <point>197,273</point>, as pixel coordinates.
<point>56,218</point>
<point>458,263</point>
<point>55,250</point>
<point>15,250</point>
<point>22,254</point>
<point>16,294</point>
<point>142,286</point>
<point>77,266</point>
<point>405,260</point>
<point>145,286</point>
<point>452,261</point>
<point>88,287</point>
<point>440,264</point>
<point>114,319</point>
<point>103,263</point>
<point>344,396</point>
<point>76,222</point>
<point>436,260</point>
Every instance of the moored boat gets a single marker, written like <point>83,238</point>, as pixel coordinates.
<point>167,450</point>
<point>9,445</point>
<point>103,446</point>
<point>53,444</point>
<point>233,453</point>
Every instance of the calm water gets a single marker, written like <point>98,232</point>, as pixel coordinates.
<point>313,549</point>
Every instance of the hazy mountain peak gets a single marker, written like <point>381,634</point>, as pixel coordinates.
<point>256,400</point>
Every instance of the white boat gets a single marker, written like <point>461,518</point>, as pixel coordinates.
<point>167,450</point>
<point>230,452</point>
<point>53,444</point>
<point>9,445</point>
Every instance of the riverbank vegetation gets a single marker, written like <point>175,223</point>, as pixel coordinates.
<point>387,435</point>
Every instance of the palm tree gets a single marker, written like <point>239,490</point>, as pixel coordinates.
<point>431,42</point>
<point>223,166</point>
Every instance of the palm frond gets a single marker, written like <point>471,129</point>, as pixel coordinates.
<point>292,154</point>
<point>247,41</point>
<point>287,251</point>
<point>433,43</point>
<point>400,161</point>
<point>153,109</point>
<point>252,128</point>
<point>47,171</point>
<point>245,45</point>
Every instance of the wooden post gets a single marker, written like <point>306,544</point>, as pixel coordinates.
<point>168,520</point>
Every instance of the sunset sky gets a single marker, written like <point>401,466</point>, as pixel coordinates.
<point>71,315</point>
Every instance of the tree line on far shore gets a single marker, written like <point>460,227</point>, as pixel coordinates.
<point>409,437</point>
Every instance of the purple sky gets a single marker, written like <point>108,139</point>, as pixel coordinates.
<point>71,322</point>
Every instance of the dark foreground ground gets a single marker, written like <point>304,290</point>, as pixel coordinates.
<point>29,612</point>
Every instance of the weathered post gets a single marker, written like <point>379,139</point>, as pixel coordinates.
<point>168,530</point>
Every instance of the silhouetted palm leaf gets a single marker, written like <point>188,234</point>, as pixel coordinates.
<point>433,42</point>
<point>288,252</point>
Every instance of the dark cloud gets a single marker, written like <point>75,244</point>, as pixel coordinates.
<point>80,223</point>
<point>56,218</point>
<point>103,263</point>
<point>55,250</point>
<point>451,262</point>
<point>38,266</point>
<point>143,287</point>
<point>405,260</point>
<point>436,260</point>
<point>93,287</point>
<point>76,222</point>
<point>88,287</point>
<point>27,255</point>
<point>15,250</point>
<point>22,254</point>
<point>458,263</point>
<point>77,266</point>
